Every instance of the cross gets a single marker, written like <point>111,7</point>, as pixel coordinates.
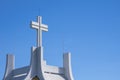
<point>39,27</point>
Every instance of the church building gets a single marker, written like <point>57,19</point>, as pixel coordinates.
<point>38,68</point>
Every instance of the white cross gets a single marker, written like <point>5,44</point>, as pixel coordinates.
<point>39,27</point>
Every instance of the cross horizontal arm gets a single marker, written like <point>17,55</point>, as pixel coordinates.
<point>34,25</point>
<point>44,27</point>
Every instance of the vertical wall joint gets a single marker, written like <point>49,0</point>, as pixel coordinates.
<point>67,66</point>
<point>9,66</point>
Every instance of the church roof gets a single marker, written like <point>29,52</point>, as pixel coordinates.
<point>38,68</point>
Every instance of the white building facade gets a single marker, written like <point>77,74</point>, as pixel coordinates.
<point>38,69</point>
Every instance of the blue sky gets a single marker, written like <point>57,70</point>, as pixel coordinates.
<point>89,29</point>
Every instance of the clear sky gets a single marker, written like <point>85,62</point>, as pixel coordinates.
<point>89,29</point>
